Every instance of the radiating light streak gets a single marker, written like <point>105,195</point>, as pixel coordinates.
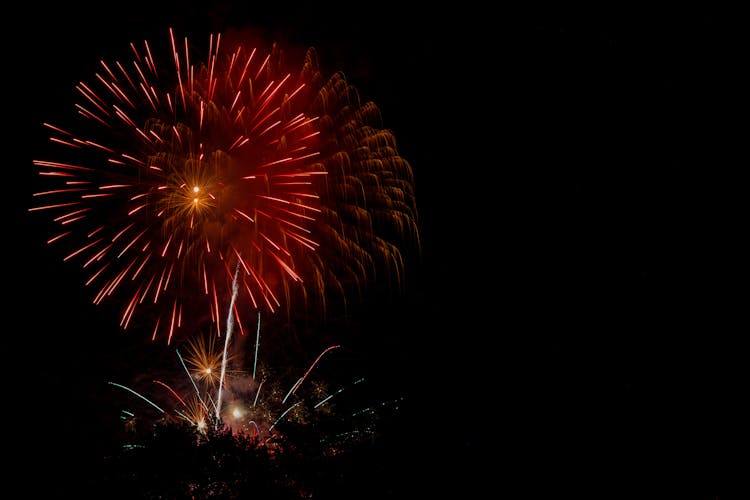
<point>283,414</point>
<point>257,345</point>
<point>197,392</point>
<point>228,335</point>
<point>137,394</point>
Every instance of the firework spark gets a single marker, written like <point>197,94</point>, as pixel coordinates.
<point>227,338</point>
<point>204,360</point>
<point>179,170</point>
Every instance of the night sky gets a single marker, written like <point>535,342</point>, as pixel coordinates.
<point>571,323</point>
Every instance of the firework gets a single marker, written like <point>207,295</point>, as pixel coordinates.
<point>295,442</point>
<point>180,169</point>
<point>204,360</point>
<point>286,423</point>
<point>227,339</point>
<point>250,407</point>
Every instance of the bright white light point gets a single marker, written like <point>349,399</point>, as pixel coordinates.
<point>202,424</point>
<point>196,189</point>
<point>208,371</point>
<point>195,200</point>
<point>236,413</point>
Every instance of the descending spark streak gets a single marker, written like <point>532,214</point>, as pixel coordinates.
<point>184,416</point>
<point>302,379</point>
<point>291,390</point>
<point>230,326</point>
<point>172,391</point>
<point>282,415</point>
<point>137,394</point>
<point>257,343</point>
<point>257,430</point>
<point>197,392</point>
<point>257,393</point>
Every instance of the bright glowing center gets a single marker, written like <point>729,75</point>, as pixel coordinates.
<point>236,413</point>
<point>208,371</point>
<point>196,189</point>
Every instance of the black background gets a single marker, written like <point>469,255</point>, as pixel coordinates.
<point>572,323</point>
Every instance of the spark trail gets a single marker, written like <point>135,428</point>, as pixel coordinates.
<point>137,394</point>
<point>228,336</point>
<point>257,344</point>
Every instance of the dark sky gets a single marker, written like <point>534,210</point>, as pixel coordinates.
<point>576,291</point>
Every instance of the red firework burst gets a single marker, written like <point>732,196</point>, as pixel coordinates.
<point>181,171</point>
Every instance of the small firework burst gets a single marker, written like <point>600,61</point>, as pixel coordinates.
<point>204,360</point>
